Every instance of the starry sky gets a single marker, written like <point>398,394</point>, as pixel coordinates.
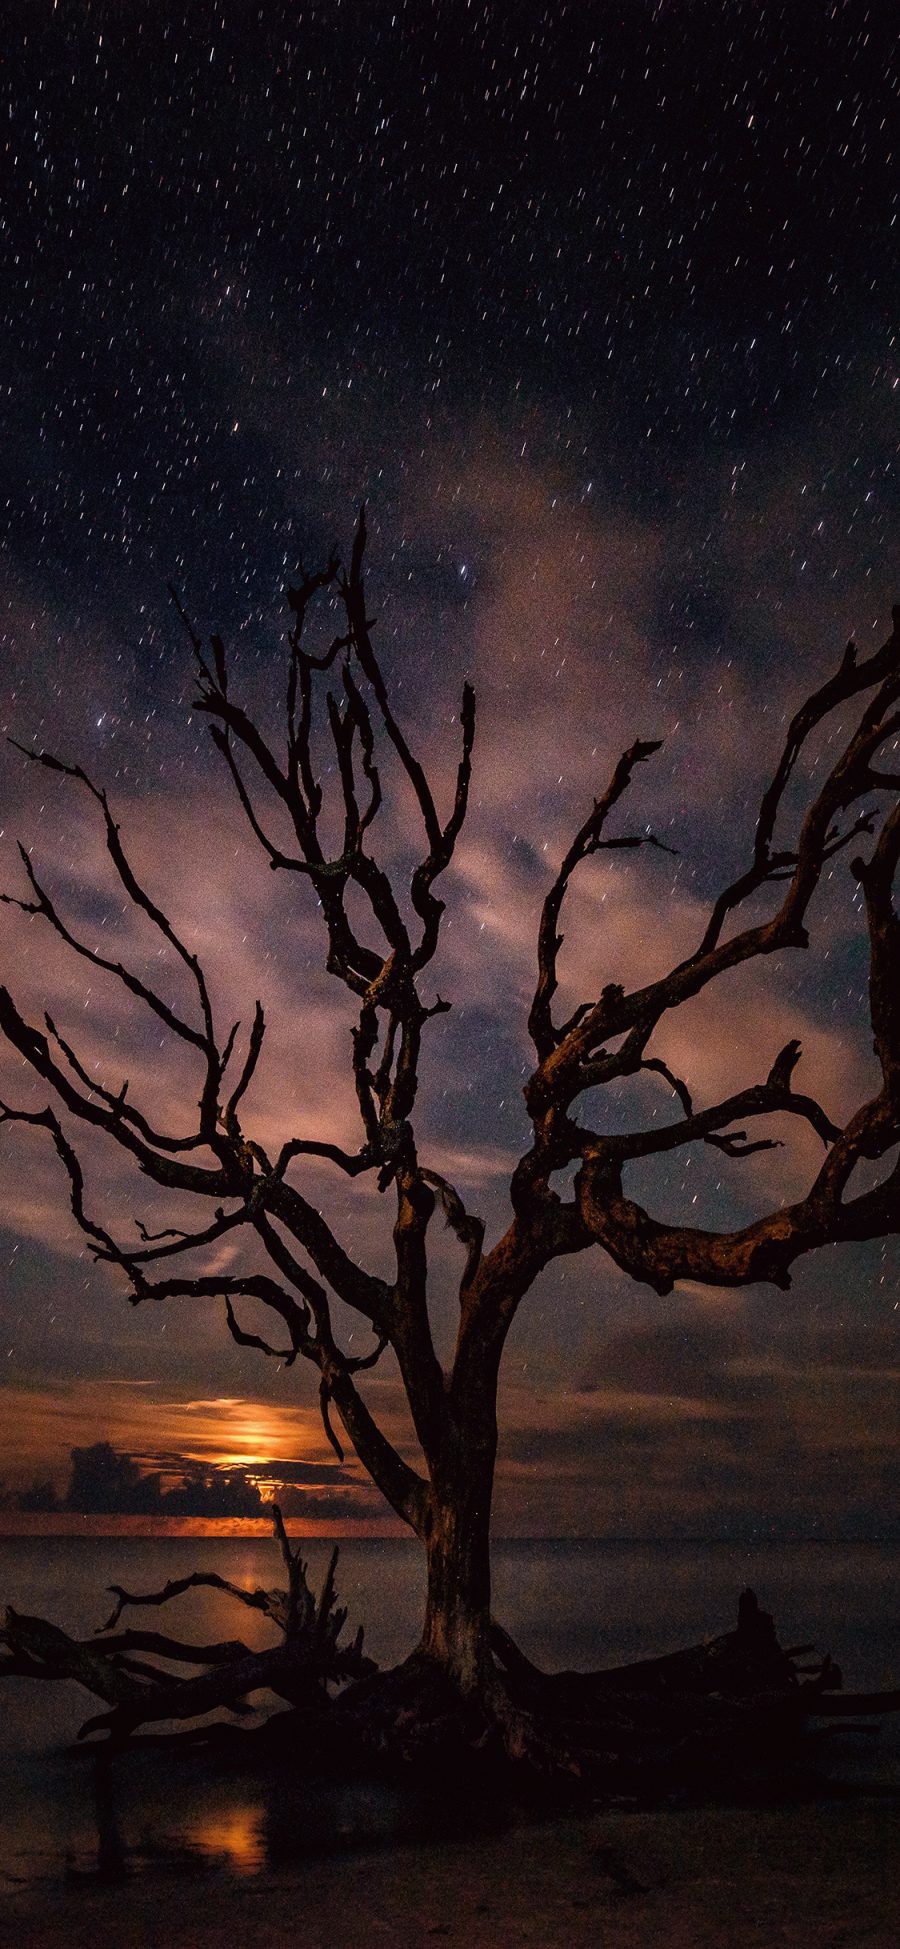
<point>595,305</point>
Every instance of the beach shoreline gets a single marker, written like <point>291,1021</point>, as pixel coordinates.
<point>821,1875</point>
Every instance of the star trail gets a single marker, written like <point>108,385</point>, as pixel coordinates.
<point>595,306</point>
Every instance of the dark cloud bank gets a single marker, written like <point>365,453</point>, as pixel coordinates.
<point>106,1482</point>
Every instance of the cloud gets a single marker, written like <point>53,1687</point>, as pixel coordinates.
<point>691,1423</point>
<point>49,1419</point>
<point>582,628</point>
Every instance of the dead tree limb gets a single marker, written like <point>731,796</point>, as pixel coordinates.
<point>381,932</point>
<point>308,1659</point>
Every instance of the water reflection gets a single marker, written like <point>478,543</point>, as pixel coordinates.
<point>234,1836</point>
<point>139,1815</point>
<point>111,1850</point>
<point>144,1816</point>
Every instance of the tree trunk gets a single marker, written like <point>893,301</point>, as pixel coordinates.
<point>457,1613</point>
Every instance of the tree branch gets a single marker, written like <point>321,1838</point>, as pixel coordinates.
<point>588,840</point>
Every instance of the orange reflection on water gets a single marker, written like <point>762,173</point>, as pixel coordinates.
<point>232,1833</point>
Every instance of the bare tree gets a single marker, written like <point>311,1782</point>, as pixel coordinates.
<point>382,960</point>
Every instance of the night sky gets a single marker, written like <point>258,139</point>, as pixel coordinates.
<point>595,305</point>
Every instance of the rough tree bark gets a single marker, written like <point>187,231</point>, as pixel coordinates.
<point>299,1264</point>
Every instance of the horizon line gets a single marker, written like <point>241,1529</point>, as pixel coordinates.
<point>95,1526</point>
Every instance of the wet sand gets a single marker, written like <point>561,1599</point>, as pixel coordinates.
<point>813,1877</point>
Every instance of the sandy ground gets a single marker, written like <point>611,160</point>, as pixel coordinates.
<point>813,1877</point>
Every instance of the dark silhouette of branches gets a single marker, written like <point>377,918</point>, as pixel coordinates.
<point>574,1058</point>
<point>380,967</point>
<point>380,939</point>
<point>308,1657</point>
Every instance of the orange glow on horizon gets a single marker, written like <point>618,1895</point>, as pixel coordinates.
<point>254,1438</point>
<point>18,1522</point>
<point>38,1429</point>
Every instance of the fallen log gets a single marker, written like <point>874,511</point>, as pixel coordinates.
<point>852,1705</point>
<point>41,1650</point>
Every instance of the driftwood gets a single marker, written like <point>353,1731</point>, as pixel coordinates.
<point>716,1712</point>
<point>299,1669</point>
<point>737,1706</point>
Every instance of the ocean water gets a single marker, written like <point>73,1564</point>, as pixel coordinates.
<point>578,1604</point>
